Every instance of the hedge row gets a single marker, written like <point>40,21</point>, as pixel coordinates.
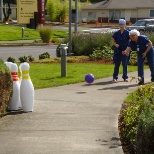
<point>136,121</point>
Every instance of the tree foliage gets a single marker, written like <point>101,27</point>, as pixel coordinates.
<point>7,14</point>
<point>57,10</point>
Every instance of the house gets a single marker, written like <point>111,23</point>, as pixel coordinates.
<point>130,10</point>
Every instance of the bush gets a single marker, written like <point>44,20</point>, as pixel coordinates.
<point>131,119</point>
<point>44,55</point>
<point>127,146</point>
<point>6,87</point>
<point>28,58</point>
<point>11,59</point>
<point>145,133</point>
<point>45,34</point>
<point>23,59</point>
<point>85,44</point>
<point>31,58</point>
<point>105,53</point>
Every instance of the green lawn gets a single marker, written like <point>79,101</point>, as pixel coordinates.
<point>49,75</point>
<point>12,32</point>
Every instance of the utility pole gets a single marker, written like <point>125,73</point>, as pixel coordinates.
<point>1,11</point>
<point>70,31</point>
<point>76,16</point>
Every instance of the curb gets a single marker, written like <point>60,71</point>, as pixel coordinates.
<point>14,44</point>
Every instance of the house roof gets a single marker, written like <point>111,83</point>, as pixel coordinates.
<point>122,4</point>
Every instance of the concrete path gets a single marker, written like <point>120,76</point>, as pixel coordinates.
<point>73,119</point>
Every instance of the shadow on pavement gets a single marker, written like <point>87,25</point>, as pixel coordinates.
<point>114,142</point>
<point>16,112</point>
<point>99,83</point>
<point>119,87</point>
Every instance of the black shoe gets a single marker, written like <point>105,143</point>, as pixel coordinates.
<point>152,79</point>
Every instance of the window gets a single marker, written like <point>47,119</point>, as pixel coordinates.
<point>151,13</point>
<point>91,15</point>
<point>140,23</point>
<point>150,23</point>
<point>114,14</point>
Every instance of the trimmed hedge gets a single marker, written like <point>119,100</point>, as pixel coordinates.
<point>6,88</point>
<point>136,121</point>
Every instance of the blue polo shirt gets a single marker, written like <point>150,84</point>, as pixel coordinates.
<point>141,44</point>
<point>121,39</point>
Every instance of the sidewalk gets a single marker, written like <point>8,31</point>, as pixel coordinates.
<point>73,119</point>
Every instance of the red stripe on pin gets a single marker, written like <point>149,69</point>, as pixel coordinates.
<point>16,79</point>
<point>14,73</point>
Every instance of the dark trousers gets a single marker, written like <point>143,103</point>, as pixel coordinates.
<point>150,59</point>
<point>118,58</point>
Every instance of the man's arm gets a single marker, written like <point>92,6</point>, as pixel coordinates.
<point>115,44</point>
<point>147,50</point>
<point>127,51</point>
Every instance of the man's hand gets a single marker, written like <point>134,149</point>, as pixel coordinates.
<point>144,55</point>
<point>117,45</point>
<point>125,53</point>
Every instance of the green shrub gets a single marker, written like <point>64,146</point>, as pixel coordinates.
<point>31,58</point>
<point>44,55</point>
<point>105,53</point>
<point>11,59</point>
<point>145,133</point>
<point>141,99</point>
<point>85,44</point>
<point>6,87</point>
<point>45,34</point>
<point>23,59</point>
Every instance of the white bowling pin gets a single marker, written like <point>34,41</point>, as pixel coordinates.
<point>8,64</point>
<point>20,105</point>
<point>14,102</point>
<point>26,89</point>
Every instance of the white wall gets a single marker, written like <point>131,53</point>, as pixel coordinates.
<point>127,14</point>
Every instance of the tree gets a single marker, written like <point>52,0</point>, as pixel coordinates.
<point>57,10</point>
<point>62,10</point>
<point>51,9</point>
<point>7,14</point>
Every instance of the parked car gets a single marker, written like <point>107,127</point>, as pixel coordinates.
<point>142,25</point>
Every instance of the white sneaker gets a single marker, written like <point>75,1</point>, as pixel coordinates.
<point>114,80</point>
<point>126,80</point>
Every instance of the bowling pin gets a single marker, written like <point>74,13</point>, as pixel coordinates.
<point>20,105</point>
<point>14,102</point>
<point>8,64</point>
<point>26,89</point>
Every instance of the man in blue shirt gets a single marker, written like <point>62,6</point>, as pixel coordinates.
<point>143,46</point>
<point>120,41</point>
